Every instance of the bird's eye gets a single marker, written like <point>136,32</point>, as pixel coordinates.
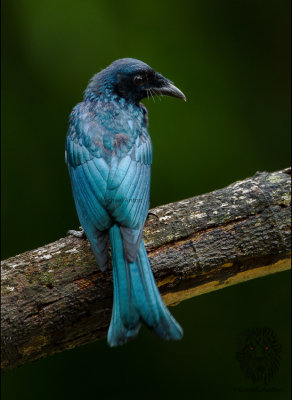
<point>139,80</point>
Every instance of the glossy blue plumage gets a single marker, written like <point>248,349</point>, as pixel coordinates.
<point>109,155</point>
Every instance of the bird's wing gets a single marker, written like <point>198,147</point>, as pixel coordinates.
<point>89,173</point>
<point>129,191</point>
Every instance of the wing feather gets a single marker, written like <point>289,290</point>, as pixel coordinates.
<point>91,206</point>
<point>102,167</point>
<point>119,172</point>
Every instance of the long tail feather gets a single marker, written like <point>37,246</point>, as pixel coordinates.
<point>136,297</point>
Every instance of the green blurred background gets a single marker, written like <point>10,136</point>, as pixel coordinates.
<point>231,59</point>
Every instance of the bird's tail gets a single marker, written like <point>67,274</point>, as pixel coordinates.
<point>136,297</point>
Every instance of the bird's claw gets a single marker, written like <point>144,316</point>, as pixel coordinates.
<point>78,234</point>
<point>152,213</point>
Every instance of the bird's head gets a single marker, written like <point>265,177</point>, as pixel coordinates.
<point>133,80</point>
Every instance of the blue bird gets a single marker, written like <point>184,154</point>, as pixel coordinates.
<point>109,155</point>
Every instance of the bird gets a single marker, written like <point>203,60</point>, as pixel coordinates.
<point>109,154</point>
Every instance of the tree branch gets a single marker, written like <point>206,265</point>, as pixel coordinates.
<point>55,298</point>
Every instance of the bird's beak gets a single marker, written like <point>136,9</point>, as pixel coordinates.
<point>167,88</point>
<point>171,90</point>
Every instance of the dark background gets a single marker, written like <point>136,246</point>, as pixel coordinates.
<point>232,60</point>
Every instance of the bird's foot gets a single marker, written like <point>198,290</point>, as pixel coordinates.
<point>78,234</point>
<point>152,213</point>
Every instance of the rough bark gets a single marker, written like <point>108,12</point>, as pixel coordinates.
<point>55,298</point>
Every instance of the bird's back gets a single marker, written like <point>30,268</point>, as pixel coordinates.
<point>108,144</point>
